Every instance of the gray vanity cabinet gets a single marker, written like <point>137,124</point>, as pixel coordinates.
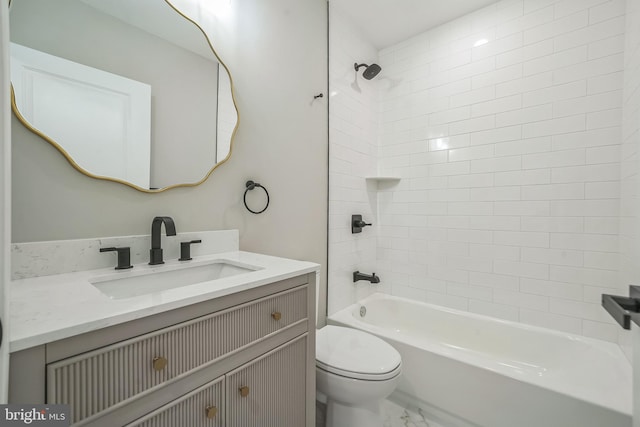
<point>245,360</point>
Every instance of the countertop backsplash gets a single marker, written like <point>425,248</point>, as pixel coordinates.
<point>35,259</point>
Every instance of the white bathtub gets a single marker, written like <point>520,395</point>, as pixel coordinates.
<point>480,371</point>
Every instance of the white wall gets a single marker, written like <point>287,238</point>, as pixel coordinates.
<point>5,201</point>
<point>509,157</point>
<point>630,159</point>
<point>277,54</point>
<point>353,156</point>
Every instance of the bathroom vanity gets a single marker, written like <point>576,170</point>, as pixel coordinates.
<point>234,351</point>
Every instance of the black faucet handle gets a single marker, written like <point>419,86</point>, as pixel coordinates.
<point>185,250</point>
<point>124,257</point>
<point>357,224</point>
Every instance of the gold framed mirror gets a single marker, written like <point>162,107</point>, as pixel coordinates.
<point>128,91</point>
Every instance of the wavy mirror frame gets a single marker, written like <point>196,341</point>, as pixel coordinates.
<point>80,169</point>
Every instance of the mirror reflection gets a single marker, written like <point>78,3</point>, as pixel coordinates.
<point>128,90</point>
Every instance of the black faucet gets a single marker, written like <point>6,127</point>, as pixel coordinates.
<point>155,254</point>
<point>370,277</point>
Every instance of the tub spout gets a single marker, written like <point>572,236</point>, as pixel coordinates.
<point>361,276</point>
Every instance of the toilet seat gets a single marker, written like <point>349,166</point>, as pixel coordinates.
<point>359,375</point>
<point>355,354</point>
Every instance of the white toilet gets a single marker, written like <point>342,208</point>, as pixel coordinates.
<point>355,371</point>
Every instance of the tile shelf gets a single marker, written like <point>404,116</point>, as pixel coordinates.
<point>382,178</point>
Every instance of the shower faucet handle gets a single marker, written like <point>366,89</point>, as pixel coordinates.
<point>357,224</point>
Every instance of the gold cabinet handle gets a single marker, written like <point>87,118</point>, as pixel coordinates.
<point>211,411</point>
<point>276,315</point>
<point>159,363</point>
<point>244,391</point>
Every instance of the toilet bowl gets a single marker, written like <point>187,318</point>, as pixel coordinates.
<point>355,371</point>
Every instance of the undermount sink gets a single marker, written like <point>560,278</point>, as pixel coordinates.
<point>167,277</point>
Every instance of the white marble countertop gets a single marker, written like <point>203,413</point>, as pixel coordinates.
<point>49,308</point>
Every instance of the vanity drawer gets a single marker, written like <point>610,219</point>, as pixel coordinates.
<point>97,380</point>
<point>203,407</point>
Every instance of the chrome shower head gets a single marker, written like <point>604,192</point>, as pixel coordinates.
<point>370,70</point>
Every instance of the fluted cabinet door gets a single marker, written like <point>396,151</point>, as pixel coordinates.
<point>203,407</point>
<point>270,391</point>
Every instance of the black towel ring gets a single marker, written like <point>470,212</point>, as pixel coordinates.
<point>250,186</point>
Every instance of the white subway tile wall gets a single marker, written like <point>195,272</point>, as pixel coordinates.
<point>509,154</point>
<point>630,161</point>
<point>353,121</point>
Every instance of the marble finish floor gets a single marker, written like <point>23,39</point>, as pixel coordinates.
<point>393,415</point>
